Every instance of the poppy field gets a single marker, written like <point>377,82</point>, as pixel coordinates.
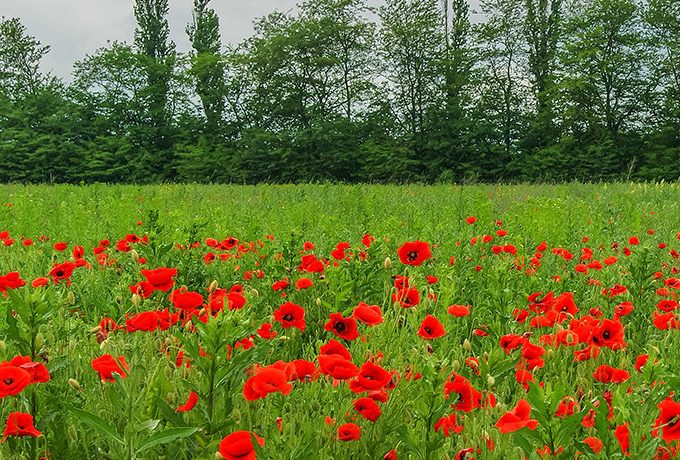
<point>340,322</point>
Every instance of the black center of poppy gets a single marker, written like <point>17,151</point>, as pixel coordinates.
<point>340,327</point>
<point>605,335</point>
<point>428,330</point>
<point>60,273</point>
<point>8,381</point>
<point>413,255</point>
<point>287,317</point>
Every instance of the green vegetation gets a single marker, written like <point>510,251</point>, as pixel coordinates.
<point>415,90</point>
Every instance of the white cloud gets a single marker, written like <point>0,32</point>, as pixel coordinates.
<point>76,28</point>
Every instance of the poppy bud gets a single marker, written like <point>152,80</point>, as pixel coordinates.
<point>656,350</point>
<point>168,341</point>
<point>39,339</point>
<point>254,293</point>
<point>486,356</point>
<point>136,300</point>
<point>73,383</point>
<point>135,256</point>
<point>72,433</point>
<point>550,354</point>
<point>103,344</point>
<point>95,329</point>
<point>455,365</point>
<point>213,286</point>
<point>71,298</point>
<point>236,415</point>
<point>318,302</point>
<point>3,345</point>
<point>218,456</point>
<point>430,350</point>
<point>467,345</point>
<point>490,381</point>
<point>118,300</point>
<point>388,263</point>
<point>316,406</point>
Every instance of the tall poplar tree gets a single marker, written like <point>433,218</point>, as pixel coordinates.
<point>152,42</point>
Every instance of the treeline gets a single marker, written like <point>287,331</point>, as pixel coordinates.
<point>411,91</point>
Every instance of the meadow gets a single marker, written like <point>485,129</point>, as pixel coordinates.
<point>339,322</point>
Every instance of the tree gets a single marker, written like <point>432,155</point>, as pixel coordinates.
<point>151,41</point>
<point>207,65</point>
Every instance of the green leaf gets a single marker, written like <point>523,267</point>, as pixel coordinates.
<point>97,423</point>
<point>165,436</point>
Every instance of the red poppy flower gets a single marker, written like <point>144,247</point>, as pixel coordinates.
<point>667,305</point>
<point>609,334</point>
<point>459,310</point>
<point>60,246</point>
<point>368,408</point>
<point>290,315</point>
<point>143,289</point>
<point>239,446</point>
<point>414,252</point>
<point>13,380</point>
<point>594,444</point>
<point>448,425</point>
<point>373,377</point>
<point>305,371</point>
<point>345,328</point>
<point>669,416</point>
<point>145,321</point>
<point>517,418</point>
<point>266,380</point>
<point>431,328</point>
<point>567,407</point>
<point>333,347</point>
<point>607,374</point>
<point>160,278</point>
<point>20,424</point>
<point>107,365</point>
<point>265,331</point>
<point>185,300</point>
<point>468,397</point>
<point>622,434</point>
<point>471,220</point>
<point>349,432</point>
<point>391,455</point>
<point>337,367</point>
<point>191,402</point>
<point>37,371</point>
<point>463,454</point>
<point>407,297</point>
<point>61,272</point>
<point>368,314</point>
<point>303,283</point>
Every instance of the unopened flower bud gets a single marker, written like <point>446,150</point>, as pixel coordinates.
<point>467,345</point>
<point>318,302</point>
<point>71,298</point>
<point>455,365</point>
<point>103,343</point>
<point>118,300</point>
<point>95,329</point>
<point>388,263</point>
<point>136,300</point>
<point>486,356</point>
<point>218,456</point>
<point>72,433</point>
<point>73,383</point>
<point>236,415</point>
<point>656,350</point>
<point>39,339</point>
<point>550,354</point>
<point>135,256</point>
<point>490,381</point>
<point>316,406</point>
<point>254,293</point>
<point>213,286</point>
<point>3,345</point>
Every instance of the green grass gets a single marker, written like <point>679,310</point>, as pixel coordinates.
<point>125,419</point>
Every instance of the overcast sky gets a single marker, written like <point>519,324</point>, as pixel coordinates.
<point>74,28</point>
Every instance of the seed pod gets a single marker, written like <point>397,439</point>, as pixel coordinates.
<point>136,300</point>
<point>388,263</point>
